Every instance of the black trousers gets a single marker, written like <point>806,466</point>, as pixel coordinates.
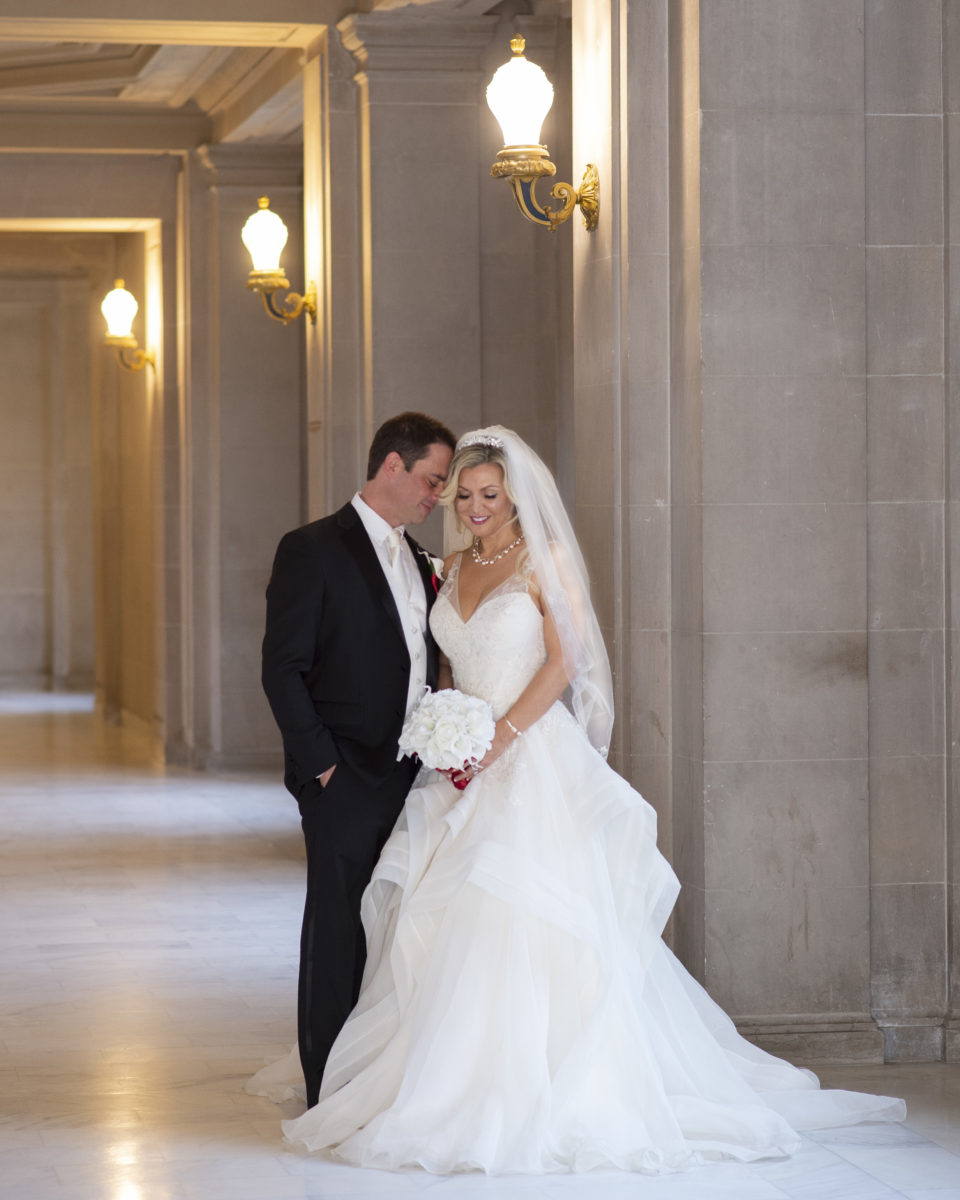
<point>345,826</point>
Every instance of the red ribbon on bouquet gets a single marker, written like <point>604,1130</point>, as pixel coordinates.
<point>459,784</point>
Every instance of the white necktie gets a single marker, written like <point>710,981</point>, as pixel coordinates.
<point>394,541</point>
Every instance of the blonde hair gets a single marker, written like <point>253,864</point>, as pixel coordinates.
<point>476,455</point>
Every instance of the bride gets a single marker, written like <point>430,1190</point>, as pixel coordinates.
<point>519,1010</point>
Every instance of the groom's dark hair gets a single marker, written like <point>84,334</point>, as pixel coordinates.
<point>411,434</point>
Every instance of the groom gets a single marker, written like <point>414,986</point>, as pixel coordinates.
<point>346,655</point>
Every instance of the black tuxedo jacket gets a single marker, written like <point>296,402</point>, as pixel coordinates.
<point>335,662</point>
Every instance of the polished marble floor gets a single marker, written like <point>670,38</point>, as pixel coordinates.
<point>149,944</point>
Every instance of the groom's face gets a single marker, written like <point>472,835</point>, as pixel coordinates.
<point>415,492</point>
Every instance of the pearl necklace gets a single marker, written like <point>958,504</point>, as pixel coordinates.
<point>488,562</point>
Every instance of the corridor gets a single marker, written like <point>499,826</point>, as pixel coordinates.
<point>149,945</point>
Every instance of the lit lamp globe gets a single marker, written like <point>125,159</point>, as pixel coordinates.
<point>265,236</point>
<point>119,308</point>
<point>520,96</point>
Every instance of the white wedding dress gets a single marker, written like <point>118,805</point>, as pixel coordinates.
<point>519,1011</point>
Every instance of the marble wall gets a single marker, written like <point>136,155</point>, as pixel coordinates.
<point>47,454</point>
<point>908,569</point>
<point>259,401</point>
<point>25,509</point>
<point>950,465</point>
<point>802,700</point>
<point>784,513</point>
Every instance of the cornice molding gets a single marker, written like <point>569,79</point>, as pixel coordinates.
<point>89,129</point>
<point>267,97</point>
<point>244,165</point>
<point>75,69</point>
<point>411,40</point>
<point>203,32</point>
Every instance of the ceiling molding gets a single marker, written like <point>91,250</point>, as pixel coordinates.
<point>106,131</point>
<point>165,33</point>
<point>279,120</point>
<point>175,74</point>
<point>271,98</point>
<point>185,95</point>
<point>75,73</point>
<point>239,74</point>
<point>267,168</point>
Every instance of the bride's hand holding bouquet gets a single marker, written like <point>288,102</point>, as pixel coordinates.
<point>449,732</point>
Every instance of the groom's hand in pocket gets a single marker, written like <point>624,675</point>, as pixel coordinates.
<point>311,794</point>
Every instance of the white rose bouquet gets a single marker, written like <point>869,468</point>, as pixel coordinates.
<point>448,729</point>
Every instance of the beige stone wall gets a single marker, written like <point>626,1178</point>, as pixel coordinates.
<point>825,558</point>
<point>784,515</point>
<point>258,489</point>
<point>46,511</point>
<point>802,703</point>
<point>25,600</point>
<point>925,445</point>
<point>908,566</point>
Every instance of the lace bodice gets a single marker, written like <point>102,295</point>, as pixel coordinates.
<point>499,649</point>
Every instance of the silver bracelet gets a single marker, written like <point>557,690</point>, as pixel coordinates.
<point>510,725</point>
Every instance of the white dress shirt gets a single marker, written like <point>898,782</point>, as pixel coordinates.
<point>406,585</point>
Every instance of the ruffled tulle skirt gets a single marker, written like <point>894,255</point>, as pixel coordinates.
<point>519,1010</point>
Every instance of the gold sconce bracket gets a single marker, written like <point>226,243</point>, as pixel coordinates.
<point>268,283</point>
<point>524,167</point>
<point>140,359</point>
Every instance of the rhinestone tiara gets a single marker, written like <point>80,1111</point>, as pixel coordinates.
<point>480,439</point>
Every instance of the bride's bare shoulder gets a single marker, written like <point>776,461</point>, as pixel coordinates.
<point>450,561</point>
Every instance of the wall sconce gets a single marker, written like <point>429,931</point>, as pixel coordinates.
<point>119,308</point>
<point>265,236</point>
<point>520,96</point>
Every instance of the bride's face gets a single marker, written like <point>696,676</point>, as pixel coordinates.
<point>482,503</point>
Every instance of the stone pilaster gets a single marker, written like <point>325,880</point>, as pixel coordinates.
<point>904,139</point>
<point>243,443</point>
<point>622,368</point>
<point>419,88</point>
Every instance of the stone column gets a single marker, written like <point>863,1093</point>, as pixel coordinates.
<point>244,437</point>
<point>71,472</point>
<point>336,420</point>
<point>686,843</point>
<point>905,418</point>
<point>418,94</point>
<point>784,523</point>
<point>951,466</point>
<point>526,292</point>
<point>621,317</point>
